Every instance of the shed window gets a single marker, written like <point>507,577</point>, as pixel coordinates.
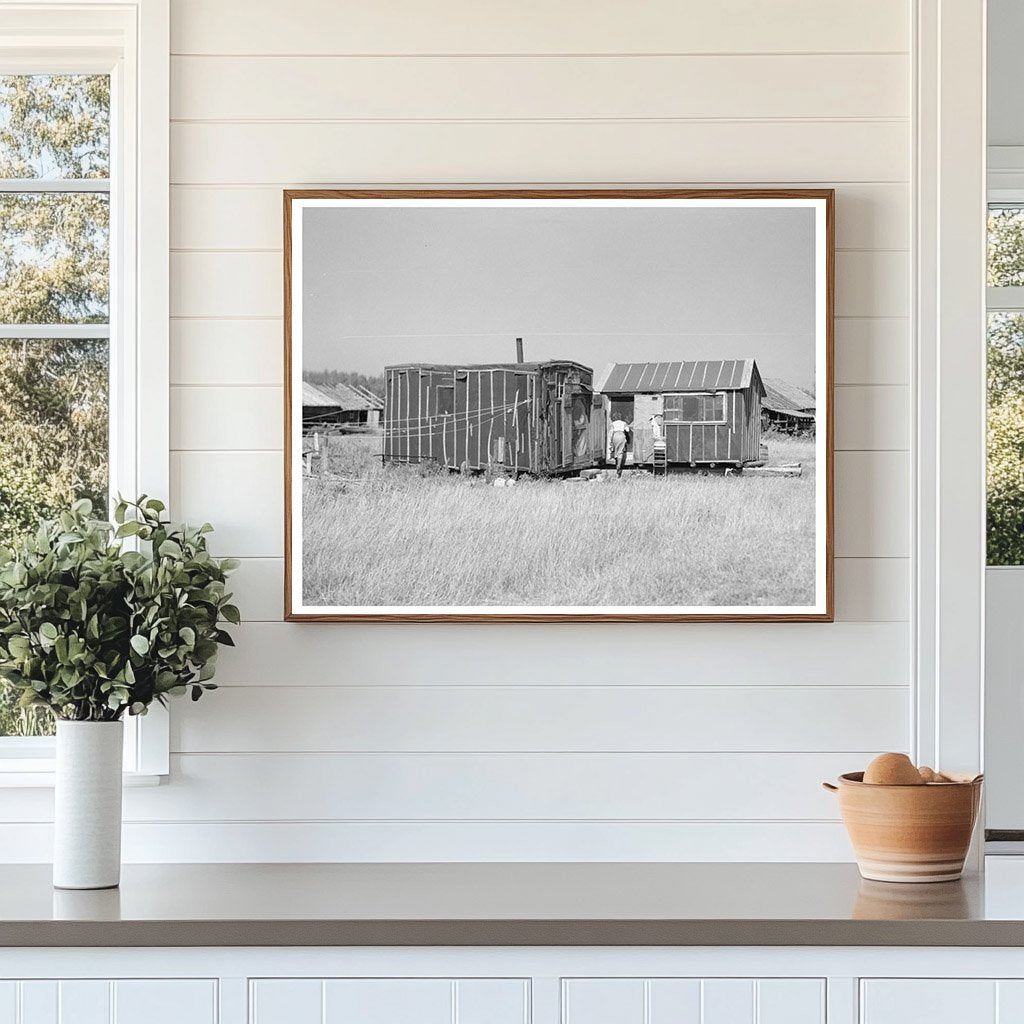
<point>695,408</point>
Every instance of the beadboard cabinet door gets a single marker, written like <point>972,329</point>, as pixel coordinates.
<point>934,1001</point>
<point>693,1001</point>
<point>388,1001</point>
<point>101,1001</point>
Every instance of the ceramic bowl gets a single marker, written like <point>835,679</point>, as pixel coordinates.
<point>909,833</point>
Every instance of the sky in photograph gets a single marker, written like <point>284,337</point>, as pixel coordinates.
<point>597,285</point>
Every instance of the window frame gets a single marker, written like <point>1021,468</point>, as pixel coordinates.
<point>130,41</point>
<point>699,394</point>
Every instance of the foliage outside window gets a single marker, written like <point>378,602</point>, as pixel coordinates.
<point>54,309</point>
<point>1005,479</point>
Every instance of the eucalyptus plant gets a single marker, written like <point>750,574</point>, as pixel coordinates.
<point>98,619</point>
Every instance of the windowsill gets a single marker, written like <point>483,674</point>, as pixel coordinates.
<point>39,773</point>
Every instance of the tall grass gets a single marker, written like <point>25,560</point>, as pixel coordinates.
<point>392,535</point>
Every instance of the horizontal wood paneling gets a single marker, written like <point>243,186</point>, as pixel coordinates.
<point>458,787</point>
<point>872,589</point>
<point>227,352</point>
<point>329,841</point>
<point>867,589</point>
<point>536,26</point>
<point>737,92</point>
<point>553,718</point>
<point>872,501</point>
<point>242,493</point>
<point>871,350</point>
<point>233,284</point>
<point>461,787</point>
<point>868,216</point>
<point>213,418</point>
<point>581,654</point>
<point>219,418</point>
<point>873,283</point>
<point>872,418</point>
<point>531,152</point>
<point>538,88</point>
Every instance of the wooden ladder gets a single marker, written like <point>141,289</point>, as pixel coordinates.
<point>660,459</point>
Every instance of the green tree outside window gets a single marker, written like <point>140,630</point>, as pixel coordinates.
<point>54,271</point>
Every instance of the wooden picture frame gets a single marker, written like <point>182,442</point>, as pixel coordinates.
<point>498,452</point>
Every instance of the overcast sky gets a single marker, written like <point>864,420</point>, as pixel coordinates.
<point>597,285</point>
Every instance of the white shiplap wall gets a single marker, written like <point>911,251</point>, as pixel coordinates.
<point>597,742</point>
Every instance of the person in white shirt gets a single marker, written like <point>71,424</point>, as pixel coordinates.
<point>617,444</point>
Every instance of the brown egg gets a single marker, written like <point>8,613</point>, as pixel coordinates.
<point>893,770</point>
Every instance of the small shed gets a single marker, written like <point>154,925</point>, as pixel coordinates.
<point>710,409</point>
<point>318,407</point>
<point>529,417</point>
<point>787,407</point>
<point>359,406</point>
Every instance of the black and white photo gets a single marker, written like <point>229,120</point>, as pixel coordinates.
<point>527,405</point>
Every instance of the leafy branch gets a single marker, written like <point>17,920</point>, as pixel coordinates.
<point>91,629</point>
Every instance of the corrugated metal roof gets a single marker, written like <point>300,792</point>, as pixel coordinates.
<point>700,375</point>
<point>314,397</point>
<point>781,396</point>
<point>351,398</point>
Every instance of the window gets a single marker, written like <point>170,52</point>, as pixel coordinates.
<point>83,288</point>
<point>1005,476</point>
<point>54,308</point>
<point>695,408</point>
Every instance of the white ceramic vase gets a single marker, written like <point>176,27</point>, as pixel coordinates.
<point>87,807</point>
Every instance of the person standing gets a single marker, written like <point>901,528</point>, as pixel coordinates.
<point>620,430</point>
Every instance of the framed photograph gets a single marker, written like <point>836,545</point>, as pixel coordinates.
<point>559,405</point>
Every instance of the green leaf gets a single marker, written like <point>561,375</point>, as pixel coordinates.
<point>170,549</point>
<point>48,631</point>
<point>140,644</point>
<point>231,613</point>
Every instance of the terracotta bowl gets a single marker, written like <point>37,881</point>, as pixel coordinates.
<point>909,833</point>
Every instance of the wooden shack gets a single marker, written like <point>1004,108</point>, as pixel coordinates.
<point>710,409</point>
<point>319,409</point>
<point>787,407</point>
<point>359,406</point>
<point>526,417</point>
<point>340,408</point>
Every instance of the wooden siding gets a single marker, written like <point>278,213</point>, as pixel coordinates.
<point>802,93</point>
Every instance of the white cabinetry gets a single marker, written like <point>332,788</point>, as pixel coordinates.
<point>388,1001</point>
<point>102,1001</point>
<point>693,1001</point>
<point>942,1001</point>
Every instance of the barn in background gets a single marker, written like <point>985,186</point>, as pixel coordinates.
<point>710,409</point>
<point>319,409</point>
<point>527,417</point>
<point>787,407</point>
<point>340,408</point>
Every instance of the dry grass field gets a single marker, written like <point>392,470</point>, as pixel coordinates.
<point>378,535</point>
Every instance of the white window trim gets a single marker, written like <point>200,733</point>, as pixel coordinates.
<point>131,41</point>
<point>948,464</point>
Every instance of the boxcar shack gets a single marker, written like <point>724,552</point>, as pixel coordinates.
<point>534,418</point>
<point>710,410</point>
